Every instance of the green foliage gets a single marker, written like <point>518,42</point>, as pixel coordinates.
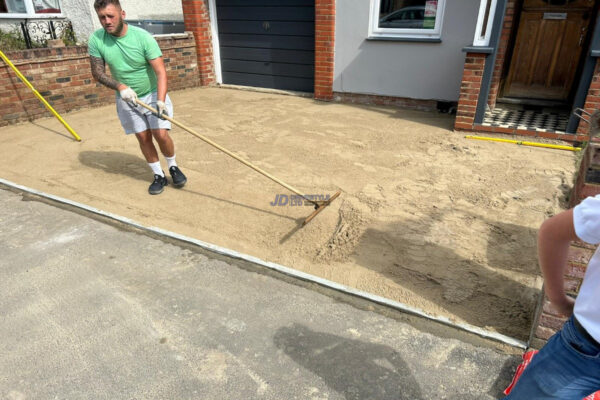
<point>68,37</point>
<point>12,40</point>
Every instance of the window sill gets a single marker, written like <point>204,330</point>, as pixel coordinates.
<point>30,16</point>
<point>478,49</point>
<point>404,39</point>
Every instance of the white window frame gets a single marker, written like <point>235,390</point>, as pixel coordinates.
<point>479,39</point>
<point>30,12</point>
<point>395,33</point>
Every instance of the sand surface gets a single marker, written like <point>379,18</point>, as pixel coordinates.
<point>426,217</point>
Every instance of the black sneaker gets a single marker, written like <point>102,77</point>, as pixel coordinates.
<point>179,178</point>
<point>158,185</point>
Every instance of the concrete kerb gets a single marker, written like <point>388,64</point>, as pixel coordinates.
<point>281,269</point>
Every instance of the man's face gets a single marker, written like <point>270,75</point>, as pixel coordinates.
<point>111,18</point>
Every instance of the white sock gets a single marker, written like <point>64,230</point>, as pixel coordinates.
<point>171,161</point>
<point>156,168</point>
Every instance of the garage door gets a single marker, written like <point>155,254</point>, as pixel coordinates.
<point>267,43</point>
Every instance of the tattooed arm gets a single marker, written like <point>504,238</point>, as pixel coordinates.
<point>99,73</point>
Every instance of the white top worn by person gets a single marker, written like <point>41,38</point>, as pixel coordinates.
<point>568,366</point>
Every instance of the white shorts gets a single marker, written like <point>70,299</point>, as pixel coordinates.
<point>136,119</point>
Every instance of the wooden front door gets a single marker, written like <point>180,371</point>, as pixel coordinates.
<point>548,48</point>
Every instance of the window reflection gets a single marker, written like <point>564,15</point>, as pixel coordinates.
<point>408,14</point>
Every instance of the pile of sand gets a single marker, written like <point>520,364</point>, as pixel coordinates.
<point>426,217</point>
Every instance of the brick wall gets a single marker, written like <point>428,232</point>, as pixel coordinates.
<point>402,102</point>
<point>469,91</point>
<point>196,19</point>
<point>63,77</point>
<point>499,65</point>
<point>592,100</point>
<point>547,322</point>
<point>324,48</point>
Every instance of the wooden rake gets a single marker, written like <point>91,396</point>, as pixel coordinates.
<point>318,204</point>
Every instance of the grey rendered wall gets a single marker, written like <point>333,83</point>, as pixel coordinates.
<point>85,21</point>
<point>417,70</point>
<point>79,12</point>
<point>82,15</point>
<point>165,10</point>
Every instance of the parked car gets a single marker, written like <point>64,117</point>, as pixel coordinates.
<point>407,17</point>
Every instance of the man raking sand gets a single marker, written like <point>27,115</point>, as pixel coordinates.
<point>137,70</point>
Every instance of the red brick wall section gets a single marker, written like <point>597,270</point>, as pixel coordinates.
<point>548,321</point>
<point>402,102</point>
<point>469,91</point>
<point>63,77</point>
<point>505,35</point>
<point>592,101</point>
<point>324,48</point>
<point>196,19</point>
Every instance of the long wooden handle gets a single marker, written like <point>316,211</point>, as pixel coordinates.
<point>229,153</point>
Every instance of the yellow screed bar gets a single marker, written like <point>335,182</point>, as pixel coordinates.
<point>39,96</point>
<point>550,146</point>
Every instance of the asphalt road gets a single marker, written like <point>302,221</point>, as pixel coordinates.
<point>90,309</point>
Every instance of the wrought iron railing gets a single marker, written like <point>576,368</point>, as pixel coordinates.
<point>37,32</point>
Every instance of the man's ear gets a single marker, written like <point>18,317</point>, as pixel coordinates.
<point>123,14</point>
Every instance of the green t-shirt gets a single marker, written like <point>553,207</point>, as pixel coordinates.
<point>127,57</point>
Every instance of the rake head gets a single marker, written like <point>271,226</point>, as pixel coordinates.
<point>319,206</point>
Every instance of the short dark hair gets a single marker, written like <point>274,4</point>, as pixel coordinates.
<point>100,4</point>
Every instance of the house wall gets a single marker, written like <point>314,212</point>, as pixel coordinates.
<point>84,19</point>
<point>63,76</point>
<point>82,15</point>
<point>417,70</point>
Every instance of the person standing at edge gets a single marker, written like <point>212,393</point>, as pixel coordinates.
<point>568,366</point>
<point>137,69</point>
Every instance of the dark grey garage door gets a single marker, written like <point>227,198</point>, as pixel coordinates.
<point>267,43</point>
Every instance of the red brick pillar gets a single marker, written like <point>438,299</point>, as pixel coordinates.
<point>469,91</point>
<point>196,19</point>
<point>507,28</point>
<point>592,101</point>
<point>324,48</point>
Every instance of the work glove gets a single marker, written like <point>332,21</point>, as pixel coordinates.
<point>129,95</point>
<point>161,108</point>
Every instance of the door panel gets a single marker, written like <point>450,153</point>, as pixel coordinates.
<point>547,50</point>
<point>267,43</point>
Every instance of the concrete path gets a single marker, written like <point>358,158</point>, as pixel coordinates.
<point>90,309</point>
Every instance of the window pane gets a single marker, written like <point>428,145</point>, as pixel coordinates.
<point>408,14</point>
<point>13,6</point>
<point>46,6</point>
<point>486,17</point>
